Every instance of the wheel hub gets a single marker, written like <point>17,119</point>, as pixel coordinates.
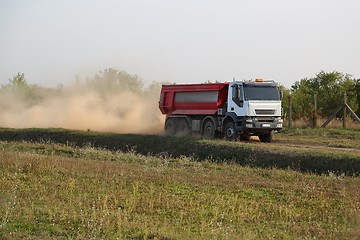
<point>230,132</point>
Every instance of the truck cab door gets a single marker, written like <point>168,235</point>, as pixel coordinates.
<point>236,99</point>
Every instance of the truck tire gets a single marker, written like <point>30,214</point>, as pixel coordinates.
<point>266,137</point>
<point>230,131</point>
<point>170,127</point>
<point>209,130</point>
<point>183,128</point>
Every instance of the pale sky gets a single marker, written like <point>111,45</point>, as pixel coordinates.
<point>188,41</point>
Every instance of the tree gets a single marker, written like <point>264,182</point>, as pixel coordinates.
<point>329,88</point>
<point>17,82</point>
<point>357,90</point>
<point>111,79</point>
<point>28,94</point>
<point>285,99</point>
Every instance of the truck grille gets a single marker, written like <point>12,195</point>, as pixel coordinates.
<point>265,111</point>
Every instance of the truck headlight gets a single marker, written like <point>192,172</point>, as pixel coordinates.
<point>248,125</point>
<point>279,125</point>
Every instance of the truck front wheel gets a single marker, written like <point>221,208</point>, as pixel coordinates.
<point>230,131</point>
<point>266,137</point>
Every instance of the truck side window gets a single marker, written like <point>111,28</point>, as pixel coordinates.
<point>236,96</point>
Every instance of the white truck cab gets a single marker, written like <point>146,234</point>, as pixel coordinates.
<point>255,107</point>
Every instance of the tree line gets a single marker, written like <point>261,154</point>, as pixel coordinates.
<point>106,82</point>
<point>328,88</point>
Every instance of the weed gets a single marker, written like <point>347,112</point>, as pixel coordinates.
<point>66,191</point>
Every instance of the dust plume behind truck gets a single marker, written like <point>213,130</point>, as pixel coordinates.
<point>234,110</point>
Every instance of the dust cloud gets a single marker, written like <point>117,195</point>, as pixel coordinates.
<point>99,104</point>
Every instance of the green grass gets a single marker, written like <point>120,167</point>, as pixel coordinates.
<point>337,137</point>
<point>317,160</point>
<point>64,191</point>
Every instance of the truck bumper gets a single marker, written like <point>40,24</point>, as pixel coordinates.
<point>258,125</point>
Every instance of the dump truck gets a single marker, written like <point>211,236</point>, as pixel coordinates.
<point>231,110</point>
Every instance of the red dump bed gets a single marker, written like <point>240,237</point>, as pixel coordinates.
<point>193,99</point>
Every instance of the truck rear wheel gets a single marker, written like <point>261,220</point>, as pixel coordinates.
<point>209,130</point>
<point>230,131</point>
<point>266,137</point>
<point>170,127</point>
<point>183,128</point>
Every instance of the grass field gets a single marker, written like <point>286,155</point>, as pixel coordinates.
<point>306,150</point>
<point>63,184</point>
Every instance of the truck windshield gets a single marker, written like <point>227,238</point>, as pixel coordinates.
<point>261,93</point>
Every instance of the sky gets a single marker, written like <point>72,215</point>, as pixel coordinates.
<point>187,41</point>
